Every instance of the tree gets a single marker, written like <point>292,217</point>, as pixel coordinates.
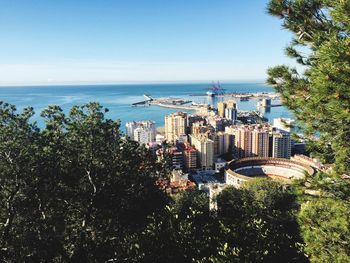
<point>320,96</point>
<point>185,232</point>
<point>74,191</point>
<point>259,224</point>
<point>320,99</point>
<point>17,140</point>
<point>326,230</point>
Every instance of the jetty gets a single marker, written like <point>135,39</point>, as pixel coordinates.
<point>173,103</point>
<point>145,102</point>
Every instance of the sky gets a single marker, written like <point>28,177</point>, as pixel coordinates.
<point>111,41</point>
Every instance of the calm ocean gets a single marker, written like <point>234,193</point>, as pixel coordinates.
<point>118,98</point>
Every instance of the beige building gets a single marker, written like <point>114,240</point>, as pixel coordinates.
<point>198,127</point>
<point>175,126</point>
<point>251,141</point>
<point>221,109</point>
<point>231,104</point>
<point>221,143</point>
<point>243,142</point>
<point>205,149</point>
<point>231,132</point>
<point>260,142</point>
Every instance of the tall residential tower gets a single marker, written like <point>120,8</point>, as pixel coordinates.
<point>175,126</point>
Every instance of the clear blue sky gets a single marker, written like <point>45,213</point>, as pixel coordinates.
<point>73,41</point>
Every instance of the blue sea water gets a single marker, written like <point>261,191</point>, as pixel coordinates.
<point>118,98</point>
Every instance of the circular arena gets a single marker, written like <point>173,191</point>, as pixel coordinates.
<point>242,170</point>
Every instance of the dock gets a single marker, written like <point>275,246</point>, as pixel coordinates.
<point>173,103</point>
<point>243,96</point>
<point>176,106</point>
<point>144,102</point>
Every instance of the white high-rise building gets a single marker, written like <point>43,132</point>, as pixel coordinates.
<point>141,131</point>
<point>143,135</point>
<point>231,114</point>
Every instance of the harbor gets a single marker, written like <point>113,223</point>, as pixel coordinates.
<point>247,116</point>
<point>217,91</point>
<point>183,104</point>
<point>244,95</point>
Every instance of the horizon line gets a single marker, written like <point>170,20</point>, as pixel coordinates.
<point>148,82</point>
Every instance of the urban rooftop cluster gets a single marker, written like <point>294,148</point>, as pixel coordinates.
<point>202,144</point>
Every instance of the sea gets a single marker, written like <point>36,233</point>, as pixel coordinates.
<point>118,99</point>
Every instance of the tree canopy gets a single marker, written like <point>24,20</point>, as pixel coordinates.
<point>73,191</point>
<point>318,93</point>
<point>78,191</point>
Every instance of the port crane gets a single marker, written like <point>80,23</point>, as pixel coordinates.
<point>215,90</point>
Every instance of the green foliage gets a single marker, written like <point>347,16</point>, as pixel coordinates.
<point>77,191</point>
<point>185,232</point>
<point>322,185</point>
<point>326,230</point>
<point>74,191</point>
<point>320,97</point>
<point>258,223</point>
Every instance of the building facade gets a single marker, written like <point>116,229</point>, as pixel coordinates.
<point>231,114</point>
<point>281,144</point>
<point>205,149</point>
<point>221,109</point>
<point>260,142</point>
<point>231,104</point>
<point>191,161</point>
<point>141,131</point>
<point>175,126</point>
<point>221,143</point>
<point>243,142</point>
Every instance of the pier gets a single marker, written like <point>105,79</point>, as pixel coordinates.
<point>144,102</point>
<point>177,103</point>
<point>174,106</point>
<point>173,103</point>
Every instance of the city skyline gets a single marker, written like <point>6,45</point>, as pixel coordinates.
<point>136,42</point>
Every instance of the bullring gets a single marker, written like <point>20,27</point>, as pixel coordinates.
<point>242,170</point>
